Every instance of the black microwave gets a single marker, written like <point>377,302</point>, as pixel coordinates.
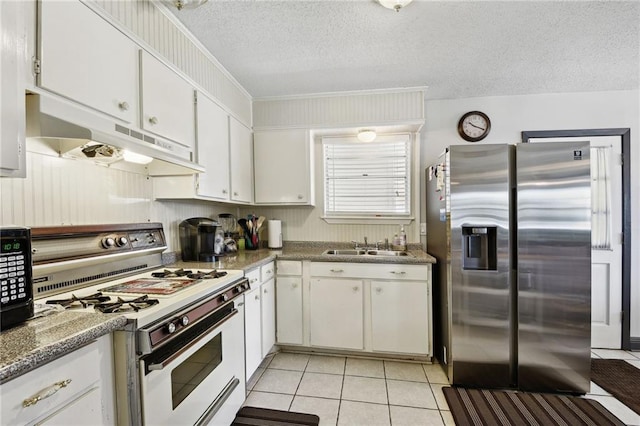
<point>16,289</point>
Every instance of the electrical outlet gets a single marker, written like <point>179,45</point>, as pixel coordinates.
<point>423,229</point>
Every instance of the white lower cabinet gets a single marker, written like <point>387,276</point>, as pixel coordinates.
<point>399,317</point>
<point>252,331</point>
<point>370,308</point>
<point>268,311</point>
<point>76,388</point>
<point>259,316</point>
<point>336,307</point>
<point>289,310</point>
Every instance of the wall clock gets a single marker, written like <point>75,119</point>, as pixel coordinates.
<point>474,126</point>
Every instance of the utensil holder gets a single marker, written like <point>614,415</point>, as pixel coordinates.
<point>251,242</point>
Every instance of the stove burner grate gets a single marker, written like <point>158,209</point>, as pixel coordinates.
<point>80,302</point>
<point>199,275</point>
<point>122,305</point>
<point>104,304</point>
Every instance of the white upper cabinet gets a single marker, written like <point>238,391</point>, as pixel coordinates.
<point>240,142</point>
<point>84,58</point>
<point>213,149</point>
<point>168,107</point>
<point>14,61</point>
<point>283,161</point>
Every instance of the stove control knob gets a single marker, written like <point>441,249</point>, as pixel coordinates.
<point>171,328</point>
<point>108,242</point>
<point>121,241</point>
<point>224,297</point>
<point>184,320</point>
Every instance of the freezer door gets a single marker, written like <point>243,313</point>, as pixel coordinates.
<point>554,266</point>
<point>481,273</point>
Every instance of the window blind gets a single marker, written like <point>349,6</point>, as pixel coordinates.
<point>601,198</point>
<point>367,179</point>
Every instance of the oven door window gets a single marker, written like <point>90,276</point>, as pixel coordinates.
<point>190,373</point>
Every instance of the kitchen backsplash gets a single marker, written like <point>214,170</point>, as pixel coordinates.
<point>306,224</point>
<point>59,191</point>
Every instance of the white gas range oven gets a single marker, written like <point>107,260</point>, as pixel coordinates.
<point>180,359</point>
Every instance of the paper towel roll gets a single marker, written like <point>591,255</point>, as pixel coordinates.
<point>274,227</point>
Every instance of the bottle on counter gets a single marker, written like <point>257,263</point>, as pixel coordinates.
<point>403,239</point>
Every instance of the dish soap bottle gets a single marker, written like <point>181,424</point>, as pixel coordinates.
<point>403,239</point>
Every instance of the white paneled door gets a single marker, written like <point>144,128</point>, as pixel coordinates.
<point>606,252</point>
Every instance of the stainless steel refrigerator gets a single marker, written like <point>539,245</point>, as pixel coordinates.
<point>510,226</point>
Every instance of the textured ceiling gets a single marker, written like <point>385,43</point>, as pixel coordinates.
<point>456,48</point>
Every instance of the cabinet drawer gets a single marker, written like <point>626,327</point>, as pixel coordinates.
<point>289,267</point>
<point>267,271</point>
<point>382,271</point>
<point>80,367</point>
<point>254,277</point>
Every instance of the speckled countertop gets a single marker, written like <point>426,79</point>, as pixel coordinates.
<point>41,340</point>
<point>305,250</point>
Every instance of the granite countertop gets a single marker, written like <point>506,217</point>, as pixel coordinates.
<point>304,250</point>
<point>40,340</point>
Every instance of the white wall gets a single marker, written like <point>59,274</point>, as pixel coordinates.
<point>511,115</point>
<point>60,191</point>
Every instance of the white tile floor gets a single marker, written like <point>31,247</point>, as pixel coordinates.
<point>355,391</point>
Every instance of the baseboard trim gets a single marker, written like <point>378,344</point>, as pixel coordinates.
<point>634,343</point>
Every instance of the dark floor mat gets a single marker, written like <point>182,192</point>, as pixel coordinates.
<point>484,407</point>
<point>619,378</point>
<point>252,416</point>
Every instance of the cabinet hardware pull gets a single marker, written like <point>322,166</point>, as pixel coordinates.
<point>224,191</point>
<point>241,304</point>
<point>45,393</point>
<point>153,120</point>
<point>337,270</point>
<point>399,273</point>
<point>355,288</point>
<point>257,297</point>
<point>300,197</point>
<point>294,285</point>
<point>265,291</point>
<point>124,106</point>
<point>378,290</point>
<point>235,194</point>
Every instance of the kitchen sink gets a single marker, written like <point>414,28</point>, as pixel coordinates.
<point>347,252</point>
<point>387,253</point>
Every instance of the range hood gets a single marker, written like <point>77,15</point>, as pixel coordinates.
<point>72,130</point>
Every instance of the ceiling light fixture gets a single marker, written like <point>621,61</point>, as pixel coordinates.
<point>394,4</point>
<point>187,4</point>
<point>366,135</point>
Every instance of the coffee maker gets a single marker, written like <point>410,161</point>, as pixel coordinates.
<point>198,239</point>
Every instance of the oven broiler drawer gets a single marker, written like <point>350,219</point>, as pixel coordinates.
<point>185,325</point>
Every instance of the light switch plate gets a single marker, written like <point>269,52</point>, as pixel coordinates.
<point>423,229</point>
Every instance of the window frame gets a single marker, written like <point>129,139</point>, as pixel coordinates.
<point>412,193</point>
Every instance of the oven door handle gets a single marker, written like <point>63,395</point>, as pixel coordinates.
<point>160,365</point>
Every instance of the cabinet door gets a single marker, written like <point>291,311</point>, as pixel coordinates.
<point>86,59</point>
<point>268,315</point>
<point>168,107</point>
<point>252,331</point>
<point>283,167</point>
<point>13,62</point>
<point>336,307</point>
<point>241,162</point>
<point>289,309</point>
<point>400,316</point>
<point>213,149</point>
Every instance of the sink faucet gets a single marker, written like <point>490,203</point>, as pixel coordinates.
<point>366,244</point>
